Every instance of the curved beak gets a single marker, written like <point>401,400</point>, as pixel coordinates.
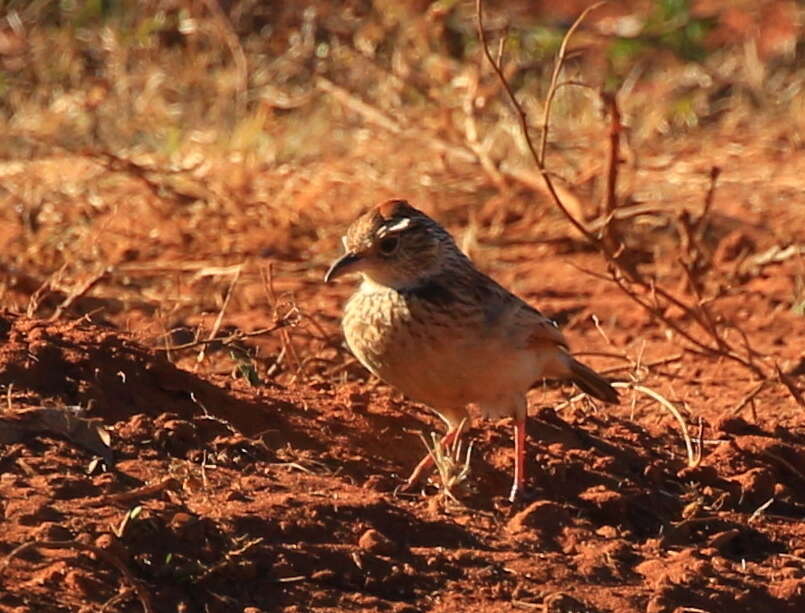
<point>343,265</point>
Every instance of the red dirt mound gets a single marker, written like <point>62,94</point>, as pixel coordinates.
<point>224,497</point>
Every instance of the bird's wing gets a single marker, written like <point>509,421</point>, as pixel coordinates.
<point>525,323</point>
<point>537,328</point>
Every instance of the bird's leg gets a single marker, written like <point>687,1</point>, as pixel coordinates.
<point>426,463</point>
<point>519,459</point>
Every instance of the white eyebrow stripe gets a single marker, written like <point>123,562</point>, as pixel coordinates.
<point>344,242</point>
<point>397,227</point>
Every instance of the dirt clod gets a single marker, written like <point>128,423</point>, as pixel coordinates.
<point>377,543</point>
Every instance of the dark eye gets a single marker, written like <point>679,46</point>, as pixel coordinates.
<point>388,245</point>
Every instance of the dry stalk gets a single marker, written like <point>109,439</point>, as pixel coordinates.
<point>750,397</point>
<point>790,385</point>
<point>610,202</point>
<point>621,273</point>
<point>143,594</point>
<point>694,459</point>
<point>238,335</point>
<point>79,291</point>
<point>452,468</point>
<point>39,295</point>
<point>145,491</point>
<point>523,119</point>
<point>220,318</point>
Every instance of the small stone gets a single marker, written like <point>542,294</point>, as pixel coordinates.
<point>377,543</point>
<point>607,531</point>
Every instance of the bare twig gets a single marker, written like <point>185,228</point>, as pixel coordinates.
<point>701,221</point>
<point>693,459</point>
<point>647,365</point>
<point>77,292</point>
<point>231,338</point>
<point>112,560</point>
<point>230,557</point>
<point>557,70</point>
<point>145,491</point>
<point>750,397</point>
<point>523,119</point>
<point>791,386</point>
<point>610,201</point>
<point>220,318</point>
<point>622,274</point>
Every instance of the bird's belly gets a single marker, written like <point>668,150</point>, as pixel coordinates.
<point>444,366</point>
<point>459,375</point>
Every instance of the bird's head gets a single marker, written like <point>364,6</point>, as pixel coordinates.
<point>395,245</point>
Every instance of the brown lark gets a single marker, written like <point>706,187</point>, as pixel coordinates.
<point>426,321</point>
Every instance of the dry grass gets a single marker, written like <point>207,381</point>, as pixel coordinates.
<point>167,145</point>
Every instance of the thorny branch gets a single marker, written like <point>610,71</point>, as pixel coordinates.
<point>620,271</point>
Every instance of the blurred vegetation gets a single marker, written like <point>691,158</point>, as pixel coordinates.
<point>164,75</point>
<point>154,147</point>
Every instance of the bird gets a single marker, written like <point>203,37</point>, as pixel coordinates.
<point>427,322</point>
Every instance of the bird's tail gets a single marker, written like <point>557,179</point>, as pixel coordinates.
<point>591,382</point>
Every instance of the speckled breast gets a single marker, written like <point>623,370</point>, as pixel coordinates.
<point>433,355</point>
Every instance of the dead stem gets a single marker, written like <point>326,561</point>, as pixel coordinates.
<point>621,273</point>
<point>220,318</point>
<point>750,397</point>
<point>236,336</point>
<point>522,118</point>
<point>143,594</point>
<point>693,458</point>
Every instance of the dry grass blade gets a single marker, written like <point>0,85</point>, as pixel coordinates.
<point>79,291</point>
<point>693,458</point>
<point>220,318</point>
<point>453,469</point>
<point>142,593</point>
